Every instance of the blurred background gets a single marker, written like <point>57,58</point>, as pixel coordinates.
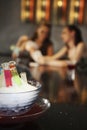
<point>20,17</point>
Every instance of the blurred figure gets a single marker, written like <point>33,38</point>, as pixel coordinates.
<point>42,38</point>
<point>39,41</point>
<point>74,47</point>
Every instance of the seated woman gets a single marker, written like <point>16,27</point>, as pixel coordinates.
<point>74,48</point>
<point>39,41</point>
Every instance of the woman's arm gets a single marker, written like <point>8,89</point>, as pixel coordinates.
<point>79,53</point>
<point>59,63</point>
<point>60,53</point>
<point>42,60</point>
<point>21,40</point>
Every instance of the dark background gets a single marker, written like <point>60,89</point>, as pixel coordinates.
<point>11,27</point>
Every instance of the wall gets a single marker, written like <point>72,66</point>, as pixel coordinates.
<point>11,27</point>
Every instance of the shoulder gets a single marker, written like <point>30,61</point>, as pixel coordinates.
<point>81,45</point>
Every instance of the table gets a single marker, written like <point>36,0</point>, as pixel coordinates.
<point>68,100</point>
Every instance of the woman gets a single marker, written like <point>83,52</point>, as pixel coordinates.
<point>40,40</point>
<point>74,48</point>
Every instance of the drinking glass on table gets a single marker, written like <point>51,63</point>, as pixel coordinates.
<point>71,70</point>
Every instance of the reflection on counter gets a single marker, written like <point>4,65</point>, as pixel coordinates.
<point>58,88</point>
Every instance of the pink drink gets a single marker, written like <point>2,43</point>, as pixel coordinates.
<point>8,76</point>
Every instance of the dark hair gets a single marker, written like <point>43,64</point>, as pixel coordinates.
<point>78,34</point>
<point>47,42</point>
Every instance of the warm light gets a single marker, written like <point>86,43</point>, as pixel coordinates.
<point>77,3</point>
<point>39,14</point>
<point>59,3</point>
<point>27,14</point>
<point>27,3</point>
<point>42,14</point>
<point>76,15</point>
<point>72,14</point>
<point>44,3</point>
